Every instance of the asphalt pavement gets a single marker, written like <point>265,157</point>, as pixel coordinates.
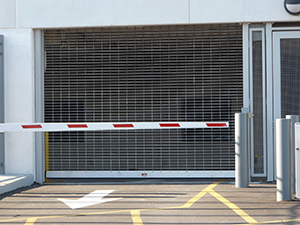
<point>146,201</point>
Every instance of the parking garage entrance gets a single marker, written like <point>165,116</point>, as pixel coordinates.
<point>143,74</point>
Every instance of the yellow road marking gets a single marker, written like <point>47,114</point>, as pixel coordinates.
<point>137,220</point>
<point>201,194</point>
<point>136,217</point>
<point>31,221</point>
<point>194,199</point>
<point>233,206</point>
<point>276,221</point>
<point>188,204</point>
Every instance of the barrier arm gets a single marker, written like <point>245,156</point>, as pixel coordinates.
<point>50,127</point>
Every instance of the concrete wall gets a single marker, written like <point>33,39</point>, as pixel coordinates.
<point>19,99</point>
<point>81,13</point>
<point>7,14</point>
<point>220,11</point>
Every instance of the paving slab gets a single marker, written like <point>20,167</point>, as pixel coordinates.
<point>137,203</point>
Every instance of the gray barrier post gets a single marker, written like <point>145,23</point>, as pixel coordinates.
<point>294,119</point>
<point>241,150</point>
<point>2,139</point>
<point>297,159</point>
<point>283,160</point>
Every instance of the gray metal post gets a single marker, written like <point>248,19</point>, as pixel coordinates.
<point>241,150</point>
<point>297,159</point>
<point>2,105</point>
<point>283,160</point>
<point>294,119</point>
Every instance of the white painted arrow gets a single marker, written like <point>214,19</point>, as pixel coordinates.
<point>91,199</point>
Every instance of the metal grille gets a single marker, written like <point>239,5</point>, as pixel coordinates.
<point>258,103</point>
<point>290,68</point>
<point>143,74</point>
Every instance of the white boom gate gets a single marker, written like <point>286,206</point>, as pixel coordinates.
<point>50,127</point>
<point>58,127</point>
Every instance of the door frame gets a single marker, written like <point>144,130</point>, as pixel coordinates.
<point>251,104</point>
<point>39,104</point>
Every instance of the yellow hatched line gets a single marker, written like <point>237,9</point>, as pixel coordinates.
<point>186,205</point>
<point>137,220</point>
<point>231,205</point>
<point>200,194</point>
<point>234,207</point>
<point>136,217</point>
<point>31,221</point>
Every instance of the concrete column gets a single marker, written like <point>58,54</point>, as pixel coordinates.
<point>19,99</point>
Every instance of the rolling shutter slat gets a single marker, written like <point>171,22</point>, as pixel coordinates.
<point>144,74</point>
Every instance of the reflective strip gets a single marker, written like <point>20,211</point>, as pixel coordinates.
<point>77,125</point>
<point>35,126</point>
<point>169,125</point>
<point>216,125</point>
<point>123,125</point>
<point>10,127</point>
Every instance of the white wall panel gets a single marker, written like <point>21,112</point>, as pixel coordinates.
<point>78,13</point>
<point>82,13</point>
<point>7,13</point>
<point>219,11</point>
<point>19,99</point>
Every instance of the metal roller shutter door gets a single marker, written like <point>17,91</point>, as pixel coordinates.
<point>143,74</point>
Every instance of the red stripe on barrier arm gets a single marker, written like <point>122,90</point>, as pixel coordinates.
<point>128,125</point>
<point>169,125</point>
<point>77,125</point>
<point>216,124</point>
<point>31,126</point>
